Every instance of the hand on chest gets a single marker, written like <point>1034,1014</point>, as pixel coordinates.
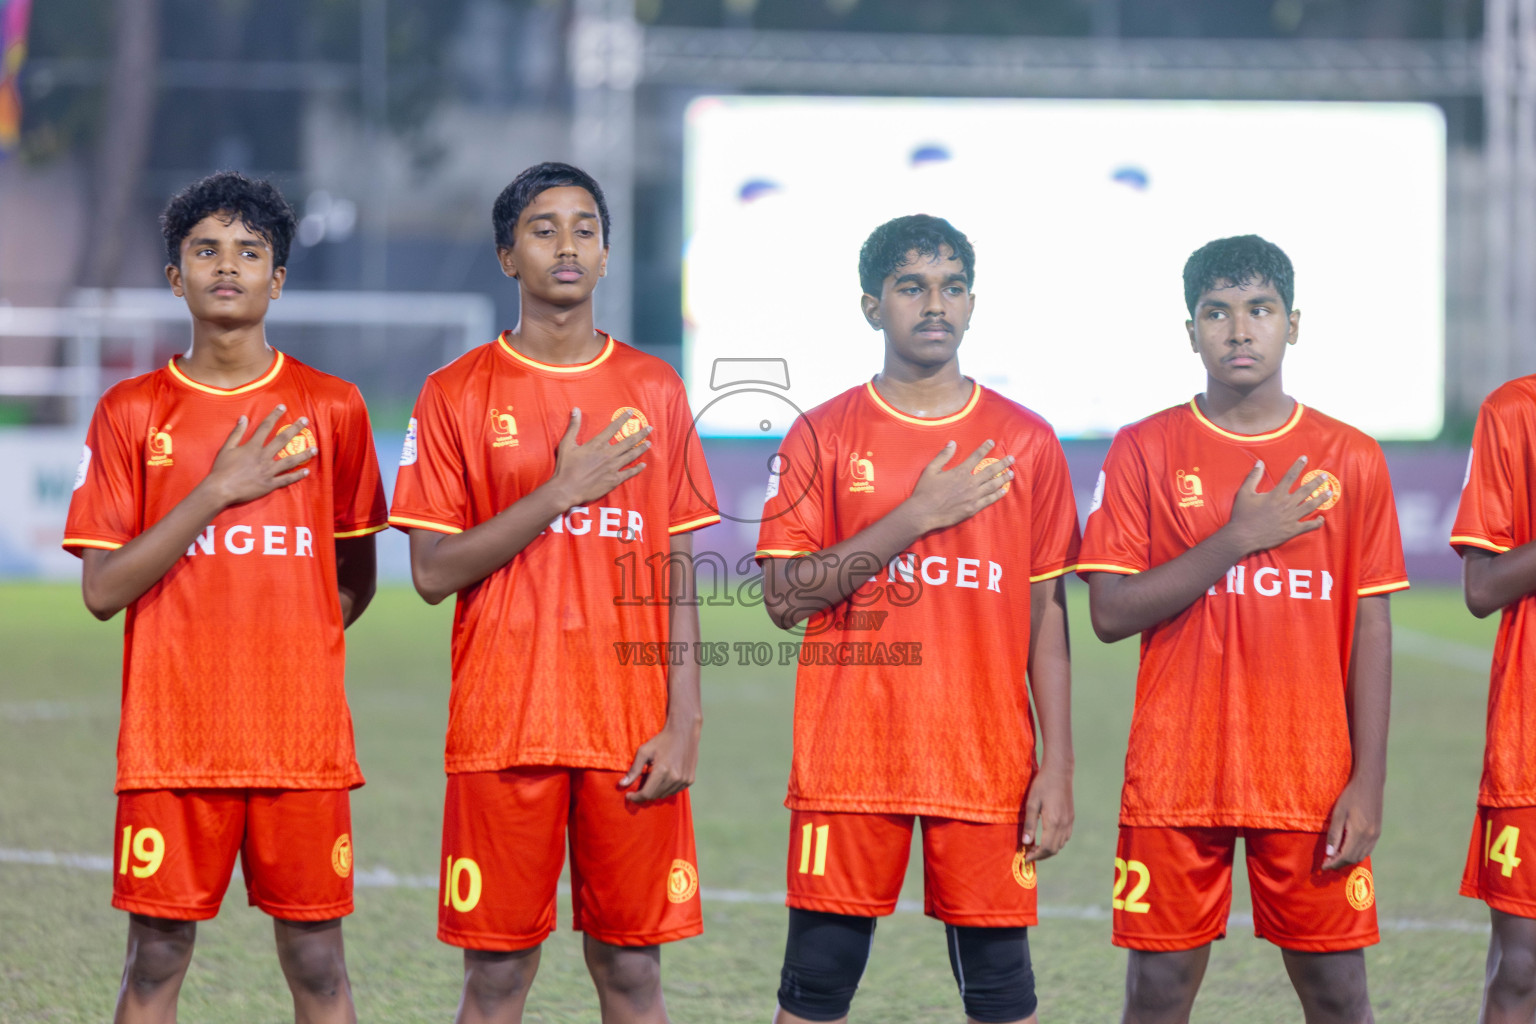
<point>1278,511</point>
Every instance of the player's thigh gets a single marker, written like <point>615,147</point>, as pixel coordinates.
<point>634,871</point>
<point>1497,871</point>
<point>297,856</point>
<point>1299,906</point>
<point>975,874</point>
<point>847,863</point>
<point>175,850</point>
<point>503,847</point>
<point>1172,887</point>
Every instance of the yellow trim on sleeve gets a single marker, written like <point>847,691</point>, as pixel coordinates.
<point>1478,542</point>
<point>602,356</point>
<point>365,531</point>
<point>779,553</point>
<point>693,524</point>
<point>423,524</point>
<point>81,542</point>
<point>1383,588</point>
<point>262,381</point>
<point>1104,567</point>
<point>1287,427</point>
<point>1053,574</point>
<point>970,404</point>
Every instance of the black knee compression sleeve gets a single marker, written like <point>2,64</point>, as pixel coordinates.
<point>992,968</point>
<point>823,962</point>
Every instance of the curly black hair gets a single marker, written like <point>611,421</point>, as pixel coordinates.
<point>1239,260</point>
<point>889,245</point>
<point>257,203</point>
<point>514,199</point>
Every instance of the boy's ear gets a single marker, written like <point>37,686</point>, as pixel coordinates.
<point>173,275</point>
<point>508,260</point>
<point>1295,330</point>
<point>870,304</point>
<point>278,277</point>
<point>1189,328</point>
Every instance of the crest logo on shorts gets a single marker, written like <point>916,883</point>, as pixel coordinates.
<point>341,855</point>
<point>1023,870</point>
<point>1191,490</point>
<point>1360,890</point>
<point>983,464</point>
<point>303,441</point>
<point>682,882</point>
<point>1320,478</point>
<point>862,472</point>
<point>503,429</point>
<point>160,448</point>
<point>637,423</point>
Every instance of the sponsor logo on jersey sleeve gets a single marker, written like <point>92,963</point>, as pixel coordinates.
<point>160,448</point>
<point>775,465</point>
<point>983,464</point>
<point>682,882</point>
<point>1319,479</point>
<point>861,473</point>
<point>1191,490</point>
<point>408,449</point>
<point>84,467</point>
<point>503,429</point>
<point>1098,494</point>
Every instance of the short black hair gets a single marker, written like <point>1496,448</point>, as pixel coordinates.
<point>514,199</point>
<point>1239,260</point>
<point>888,246</point>
<point>258,203</point>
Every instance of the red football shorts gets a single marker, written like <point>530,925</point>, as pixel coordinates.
<point>634,875</point>
<point>175,850</point>
<point>1173,889</point>
<point>974,873</point>
<point>1494,873</point>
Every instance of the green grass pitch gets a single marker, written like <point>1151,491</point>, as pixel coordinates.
<point>61,945</point>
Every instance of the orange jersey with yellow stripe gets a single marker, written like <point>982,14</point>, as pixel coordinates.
<point>233,662</point>
<point>1241,718</point>
<point>1497,513</point>
<point>555,656</point>
<point>911,696</point>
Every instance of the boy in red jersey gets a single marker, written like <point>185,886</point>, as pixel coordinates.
<point>541,525</point>
<point>1493,532</point>
<point>241,556</point>
<point>927,609</point>
<point>1262,697</point>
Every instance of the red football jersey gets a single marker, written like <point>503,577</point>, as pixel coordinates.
<point>233,662</point>
<point>1240,715</point>
<point>911,696</point>
<point>1497,514</point>
<point>555,655</point>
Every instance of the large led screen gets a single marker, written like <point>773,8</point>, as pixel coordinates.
<point>1082,213</point>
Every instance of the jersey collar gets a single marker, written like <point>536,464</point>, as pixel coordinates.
<point>1281,431</point>
<point>954,417</point>
<point>208,389</point>
<point>598,360</point>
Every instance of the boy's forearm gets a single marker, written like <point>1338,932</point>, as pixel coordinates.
<point>444,564</point>
<point>685,708</point>
<point>1491,581</point>
<point>1124,605</point>
<point>112,580</point>
<point>1050,673</point>
<point>840,569</point>
<point>1370,689</point>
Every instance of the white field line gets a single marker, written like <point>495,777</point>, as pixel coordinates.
<point>1451,653</point>
<point>383,878</point>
